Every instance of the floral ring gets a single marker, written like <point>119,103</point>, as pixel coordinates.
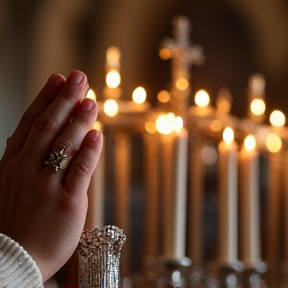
<point>58,159</point>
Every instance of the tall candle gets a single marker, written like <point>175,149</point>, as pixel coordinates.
<point>194,237</point>
<point>95,213</point>
<point>179,195</point>
<point>228,233</point>
<point>165,186</point>
<point>273,235</point>
<point>152,195</point>
<point>122,150</point>
<point>249,202</point>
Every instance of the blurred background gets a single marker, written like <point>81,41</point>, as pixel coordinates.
<point>239,38</point>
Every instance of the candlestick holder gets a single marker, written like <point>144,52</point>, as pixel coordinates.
<point>173,272</point>
<point>100,257</point>
<point>254,276</point>
<point>230,275</point>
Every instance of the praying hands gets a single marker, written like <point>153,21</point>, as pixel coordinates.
<point>44,176</point>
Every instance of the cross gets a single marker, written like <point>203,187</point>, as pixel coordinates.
<point>182,53</point>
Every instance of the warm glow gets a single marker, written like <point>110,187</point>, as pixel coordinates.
<point>216,125</point>
<point>139,95</point>
<point>277,118</point>
<point>98,126</point>
<point>165,53</point>
<point>202,98</point>
<point>178,124</point>
<point>91,94</point>
<point>182,84</point>
<point>163,96</point>
<point>250,143</point>
<point>113,55</point>
<point>224,100</point>
<point>113,79</point>
<point>150,127</point>
<point>224,106</point>
<point>258,107</point>
<point>165,123</point>
<point>273,143</point>
<point>228,135</point>
<point>111,107</point>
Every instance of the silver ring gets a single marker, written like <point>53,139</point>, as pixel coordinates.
<point>57,159</point>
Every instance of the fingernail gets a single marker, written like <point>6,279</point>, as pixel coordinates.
<point>95,134</point>
<point>55,80</point>
<point>87,104</point>
<point>75,78</point>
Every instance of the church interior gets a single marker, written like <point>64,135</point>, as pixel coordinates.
<point>164,189</point>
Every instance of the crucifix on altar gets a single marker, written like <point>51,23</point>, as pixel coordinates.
<point>183,55</point>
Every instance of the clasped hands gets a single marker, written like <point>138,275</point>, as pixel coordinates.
<point>42,210</point>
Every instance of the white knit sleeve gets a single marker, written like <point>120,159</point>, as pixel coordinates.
<point>17,268</point>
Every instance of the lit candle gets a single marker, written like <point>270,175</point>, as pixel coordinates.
<point>95,213</point>
<point>180,161</point>
<point>274,204</point>
<point>173,161</point>
<point>152,195</point>
<point>249,197</point>
<point>228,198</point>
<point>194,237</point>
<point>122,164</point>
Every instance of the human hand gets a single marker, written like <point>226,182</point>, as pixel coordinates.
<point>42,210</point>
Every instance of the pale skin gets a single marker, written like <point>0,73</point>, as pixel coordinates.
<point>42,210</point>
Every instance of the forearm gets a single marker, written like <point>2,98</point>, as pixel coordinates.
<point>17,268</point>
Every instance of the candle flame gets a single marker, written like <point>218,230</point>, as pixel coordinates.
<point>163,96</point>
<point>228,135</point>
<point>165,53</point>
<point>113,79</point>
<point>182,84</point>
<point>91,94</point>
<point>250,143</point>
<point>202,98</point>
<point>277,118</point>
<point>164,123</point>
<point>258,107</point>
<point>113,55</point>
<point>139,95</point>
<point>273,143</point>
<point>178,124</point>
<point>111,107</point>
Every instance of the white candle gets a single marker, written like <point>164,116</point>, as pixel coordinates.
<point>194,237</point>
<point>152,195</point>
<point>122,164</point>
<point>95,213</point>
<point>249,200</point>
<point>273,235</point>
<point>180,161</point>
<point>228,198</point>
<point>175,151</point>
<point>165,187</point>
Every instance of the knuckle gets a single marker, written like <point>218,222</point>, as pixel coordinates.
<point>45,125</point>
<point>69,145</point>
<point>82,169</point>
